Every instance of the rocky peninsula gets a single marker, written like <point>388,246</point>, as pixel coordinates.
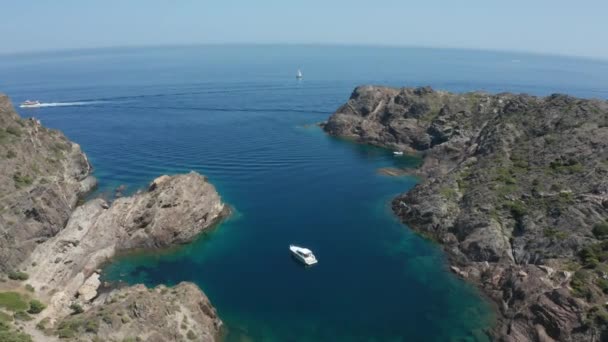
<point>514,187</point>
<point>52,246</point>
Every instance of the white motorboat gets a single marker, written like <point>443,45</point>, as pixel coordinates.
<point>398,153</point>
<point>299,75</point>
<point>29,104</point>
<point>304,255</point>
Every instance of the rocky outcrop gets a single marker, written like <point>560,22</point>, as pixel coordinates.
<point>42,176</point>
<point>61,246</point>
<point>173,210</point>
<point>513,188</point>
<point>179,313</point>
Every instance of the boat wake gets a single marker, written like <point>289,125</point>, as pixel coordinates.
<point>65,104</point>
<point>60,104</point>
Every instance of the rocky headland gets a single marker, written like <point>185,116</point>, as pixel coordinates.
<point>52,246</point>
<point>514,187</point>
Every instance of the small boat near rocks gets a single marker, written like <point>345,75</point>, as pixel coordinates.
<point>398,153</point>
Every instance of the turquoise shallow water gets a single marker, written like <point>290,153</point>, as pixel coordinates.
<point>238,115</point>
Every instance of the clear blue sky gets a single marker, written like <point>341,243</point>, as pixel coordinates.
<point>546,26</point>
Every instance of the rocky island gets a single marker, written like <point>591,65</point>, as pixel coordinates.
<point>515,187</point>
<point>52,246</point>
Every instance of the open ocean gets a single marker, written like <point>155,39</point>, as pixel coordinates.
<point>238,115</point>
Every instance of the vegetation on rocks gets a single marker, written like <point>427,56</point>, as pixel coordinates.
<point>36,306</point>
<point>56,237</point>
<point>516,188</point>
<point>33,210</point>
<point>76,308</point>
<point>13,301</point>
<point>10,335</point>
<point>18,275</point>
<point>600,230</point>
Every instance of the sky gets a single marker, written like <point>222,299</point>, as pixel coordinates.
<point>578,28</point>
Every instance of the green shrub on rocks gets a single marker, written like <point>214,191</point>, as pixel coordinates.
<point>580,284</point>
<point>593,254</point>
<point>18,275</point>
<point>42,325</point>
<point>600,316</point>
<point>76,308</point>
<point>69,328</point>
<point>22,316</point>
<point>91,326</point>
<point>600,230</point>
<point>14,336</point>
<point>505,175</point>
<point>517,208</point>
<point>22,180</point>
<point>602,284</point>
<point>106,318</point>
<point>570,166</point>
<point>448,193</point>
<point>36,306</point>
<point>554,233</point>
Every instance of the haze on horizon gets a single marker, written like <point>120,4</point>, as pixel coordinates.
<point>541,26</point>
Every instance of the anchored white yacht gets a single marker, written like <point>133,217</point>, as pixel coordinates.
<point>29,104</point>
<point>398,153</point>
<point>303,254</point>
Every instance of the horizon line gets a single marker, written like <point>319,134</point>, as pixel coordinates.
<point>262,44</point>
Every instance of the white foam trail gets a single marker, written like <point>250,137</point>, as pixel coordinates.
<point>63,104</point>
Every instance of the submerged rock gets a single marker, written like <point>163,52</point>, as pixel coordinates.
<point>513,188</point>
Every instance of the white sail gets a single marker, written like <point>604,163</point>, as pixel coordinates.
<point>299,74</point>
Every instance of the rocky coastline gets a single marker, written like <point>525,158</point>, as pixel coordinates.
<point>514,188</point>
<point>52,246</point>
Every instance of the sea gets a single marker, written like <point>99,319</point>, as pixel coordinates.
<point>237,114</point>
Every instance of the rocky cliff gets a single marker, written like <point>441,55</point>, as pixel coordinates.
<point>42,175</point>
<point>57,247</point>
<point>180,313</point>
<point>515,188</point>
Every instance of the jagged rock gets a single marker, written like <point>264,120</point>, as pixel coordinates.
<point>173,211</point>
<point>88,290</point>
<point>510,182</point>
<point>157,314</point>
<point>42,176</point>
<point>61,246</point>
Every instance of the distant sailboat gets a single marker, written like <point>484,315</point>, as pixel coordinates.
<point>299,75</point>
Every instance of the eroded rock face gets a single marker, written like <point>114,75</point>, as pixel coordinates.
<point>513,184</point>
<point>179,313</point>
<point>61,246</point>
<point>42,176</point>
<point>171,212</point>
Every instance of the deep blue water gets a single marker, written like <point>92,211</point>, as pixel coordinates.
<point>237,115</point>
